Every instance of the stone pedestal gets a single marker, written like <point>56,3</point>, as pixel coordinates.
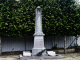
<point>39,48</point>
<point>26,53</point>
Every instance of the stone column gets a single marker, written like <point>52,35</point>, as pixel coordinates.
<point>38,35</point>
<point>0,47</point>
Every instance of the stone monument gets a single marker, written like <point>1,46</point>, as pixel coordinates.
<point>38,35</point>
<point>39,51</point>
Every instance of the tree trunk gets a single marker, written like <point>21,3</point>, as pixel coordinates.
<point>54,40</point>
<point>76,40</point>
<point>77,36</point>
<point>64,44</point>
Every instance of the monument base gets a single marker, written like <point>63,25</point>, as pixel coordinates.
<point>39,52</point>
<point>42,57</point>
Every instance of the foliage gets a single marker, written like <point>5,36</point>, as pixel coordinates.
<point>58,18</point>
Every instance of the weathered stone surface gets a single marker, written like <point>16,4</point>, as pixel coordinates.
<point>51,53</point>
<point>40,52</point>
<point>38,42</point>
<point>43,57</point>
<point>38,49</point>
<point>26,53</point>
<point>38,20</point>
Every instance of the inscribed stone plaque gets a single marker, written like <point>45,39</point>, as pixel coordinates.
<point>38,42</point>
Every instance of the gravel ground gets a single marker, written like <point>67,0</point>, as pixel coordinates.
<point>69,56</point>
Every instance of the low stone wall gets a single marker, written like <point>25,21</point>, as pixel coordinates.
<point>12,53</point>
<point>58,51</point>
<point>61,51</point>
<point>78,50</point>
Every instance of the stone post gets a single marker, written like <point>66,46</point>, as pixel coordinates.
<point>0,47</point>
<point>38,35</point>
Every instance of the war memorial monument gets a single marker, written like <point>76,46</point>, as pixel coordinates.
<point>39,51</point>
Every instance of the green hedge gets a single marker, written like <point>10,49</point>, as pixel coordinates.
<point>58,18</point>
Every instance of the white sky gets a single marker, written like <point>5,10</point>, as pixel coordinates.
<point>77,1</point>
